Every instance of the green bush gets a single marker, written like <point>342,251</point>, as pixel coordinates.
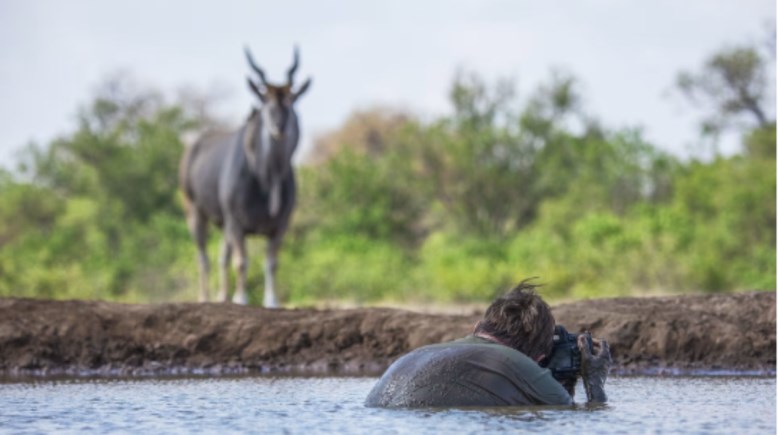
<point>455,209</point>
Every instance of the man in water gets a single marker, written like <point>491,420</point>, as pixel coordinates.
<point>498,365</point>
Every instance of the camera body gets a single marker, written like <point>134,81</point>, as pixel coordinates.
<point>565,359</point>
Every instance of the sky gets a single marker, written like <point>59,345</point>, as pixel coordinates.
<point>404,54</point>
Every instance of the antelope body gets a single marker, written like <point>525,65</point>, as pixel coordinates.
<point>244,183</point>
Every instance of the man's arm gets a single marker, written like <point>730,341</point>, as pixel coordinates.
<point>594,368</point>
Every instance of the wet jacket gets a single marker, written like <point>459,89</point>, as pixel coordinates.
<point>471,371</point>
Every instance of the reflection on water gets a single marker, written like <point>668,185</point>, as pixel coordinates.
<point>285,404</point>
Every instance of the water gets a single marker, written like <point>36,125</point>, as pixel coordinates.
<point>334,405</point>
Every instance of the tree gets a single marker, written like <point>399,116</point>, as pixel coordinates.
<point>368,133</point>
<point>735,84</point>
<point>95,213</point>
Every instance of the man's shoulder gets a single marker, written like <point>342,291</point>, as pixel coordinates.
<point>475,344</point>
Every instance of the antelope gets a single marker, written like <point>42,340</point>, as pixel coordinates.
<point>244,182</point>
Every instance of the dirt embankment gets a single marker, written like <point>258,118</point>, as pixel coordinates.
<point>724,332</point>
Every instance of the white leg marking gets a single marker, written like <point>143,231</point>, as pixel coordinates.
<point>271,264</point>
<point>224,269</point>
<point>240,296</point>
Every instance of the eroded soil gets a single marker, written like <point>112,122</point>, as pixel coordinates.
<point>665,334</point>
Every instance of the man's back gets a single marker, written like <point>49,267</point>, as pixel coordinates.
<point>468,372</point>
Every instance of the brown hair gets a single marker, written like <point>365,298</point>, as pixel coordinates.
<point>521,320</point>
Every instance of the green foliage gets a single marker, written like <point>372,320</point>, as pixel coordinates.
<point>383,188</point>
<point>731,206</point>
<point>455,209</point>
<point>760,142</point>
<point>100,217</point>
<point>345,267</point>
<point>458,268</point>
<point>493,194</point>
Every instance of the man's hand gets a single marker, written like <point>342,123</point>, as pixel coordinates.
<point>594,368</point>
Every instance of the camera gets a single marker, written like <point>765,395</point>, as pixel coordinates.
<point>565,359</point>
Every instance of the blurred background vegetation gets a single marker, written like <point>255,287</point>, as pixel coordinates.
<point>396,209</point>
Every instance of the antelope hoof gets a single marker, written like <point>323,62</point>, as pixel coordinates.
<point>271,303</point>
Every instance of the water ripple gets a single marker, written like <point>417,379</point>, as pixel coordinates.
<point>717,404</point>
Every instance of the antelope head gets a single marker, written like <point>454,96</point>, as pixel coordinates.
<point>272,132</point>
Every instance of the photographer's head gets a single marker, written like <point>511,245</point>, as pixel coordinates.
<point>521,320</point>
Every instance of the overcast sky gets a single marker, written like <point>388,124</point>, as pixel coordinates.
<point>53,54</point>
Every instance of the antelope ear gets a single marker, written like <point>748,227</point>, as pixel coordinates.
<point>255,89</point>
<point>302,90</point>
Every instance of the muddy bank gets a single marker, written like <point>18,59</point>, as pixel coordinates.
<point>666,335</point>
